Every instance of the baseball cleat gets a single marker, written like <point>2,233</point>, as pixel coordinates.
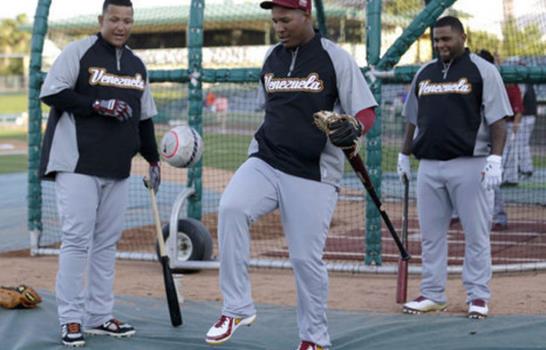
<point>114,328</point>
<point>477,309</point>
<point>224,328</point>
<point>422,305</point>
<point>72,335</point>
<point>306,345</point>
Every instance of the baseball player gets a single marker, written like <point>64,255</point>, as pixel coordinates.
<point>456,110</point>
<point>513,123</point>
<point>293,167</point>
<point>523,138</point>
<point>509,166</point>
<point>100,118</point>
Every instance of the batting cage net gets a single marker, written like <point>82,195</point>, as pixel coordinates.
<point>204,61</point>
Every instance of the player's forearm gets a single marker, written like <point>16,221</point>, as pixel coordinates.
<point>148,144</point>
<point>367,118</point>
<point>517,118</point>
<point>498,136</point>
<point>70,101</point>
<point>408,139</point>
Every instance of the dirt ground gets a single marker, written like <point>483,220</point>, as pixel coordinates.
<point>514,293</point>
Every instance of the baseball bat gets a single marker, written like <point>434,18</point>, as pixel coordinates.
<point>402,282</point>
<point>360,170</point>
<point>170,289</point>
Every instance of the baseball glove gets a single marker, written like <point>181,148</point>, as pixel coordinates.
<point>19,297</point>
<point>343,130</point>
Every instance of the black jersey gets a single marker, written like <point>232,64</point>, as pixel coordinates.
<point>88,143</point>
<point>452,106</point>
<point>296,83</point>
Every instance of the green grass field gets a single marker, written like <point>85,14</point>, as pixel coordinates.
<point>13,103</point>
<point>225,151</point>
<point>19,134</point>
<point>229,151</point>
<point>13,164</point>
<point>221,151</point>
<point>16,103</point>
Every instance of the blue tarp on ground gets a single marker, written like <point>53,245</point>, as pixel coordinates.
<point>13,212</point>
<point>275,329</point>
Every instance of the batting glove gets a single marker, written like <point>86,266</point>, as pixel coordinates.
<point>154,173</point>
<point>113,108</point>
<point>344,133</point>
<point>492,172</point>
<point>404,167</point>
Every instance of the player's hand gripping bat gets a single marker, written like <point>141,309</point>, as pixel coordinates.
<point>324,120</point>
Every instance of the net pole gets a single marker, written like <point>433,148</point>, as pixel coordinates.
<point>34,194</point>
<point>417,27</point>
<point>195,60</point>
<point>321,18</point>
<point>431,34</point>
<point>373,139</point>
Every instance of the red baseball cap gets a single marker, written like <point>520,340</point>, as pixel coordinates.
<point>304,5</point>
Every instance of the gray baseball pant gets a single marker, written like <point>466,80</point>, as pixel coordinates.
<point>91,211</point>
<point>306,209</point>
<point>524,143</point>
<point>441,187</point>
<point>499,211</point>
<point>510,155</point>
